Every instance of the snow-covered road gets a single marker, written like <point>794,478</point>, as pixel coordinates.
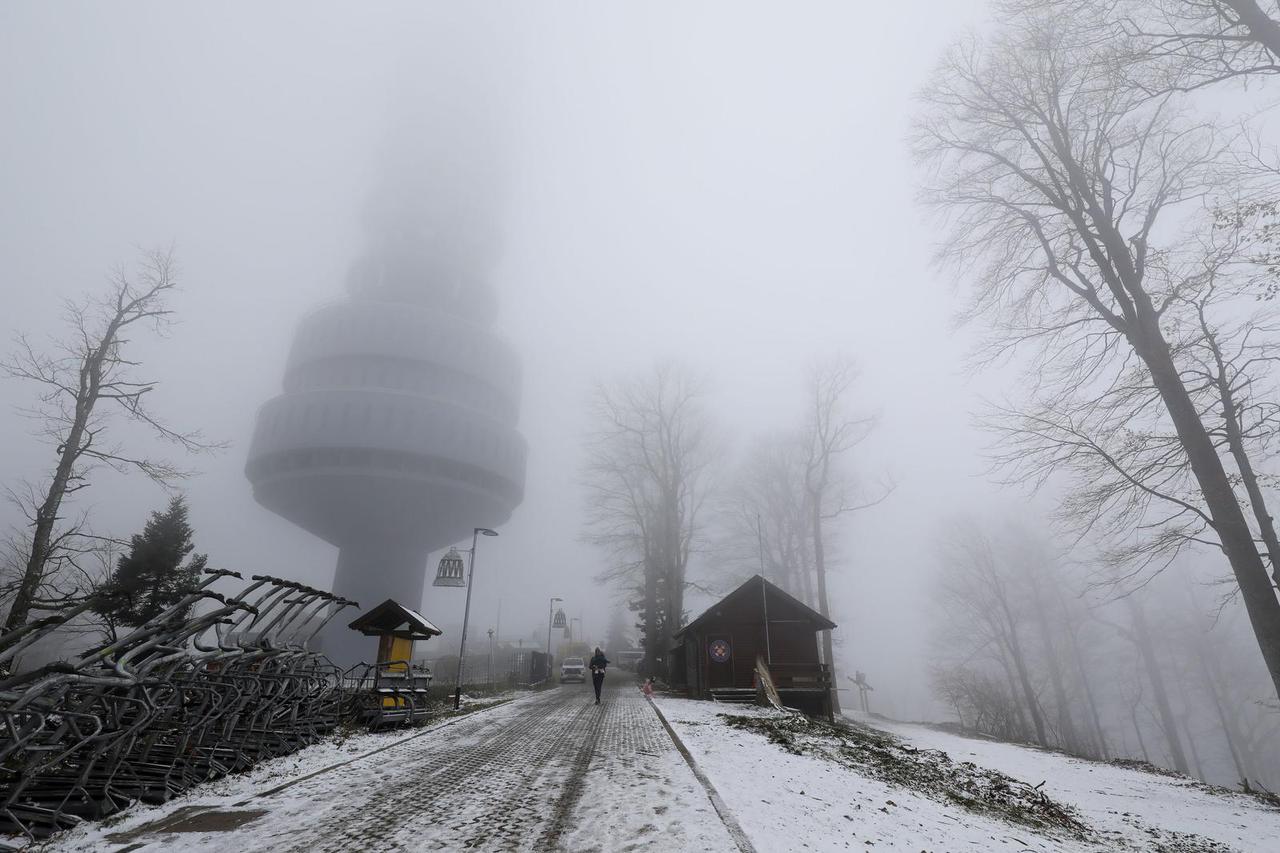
<point>548,771</point>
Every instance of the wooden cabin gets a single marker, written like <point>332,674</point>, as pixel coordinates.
<point>394,691</point>
<point>717,654</point>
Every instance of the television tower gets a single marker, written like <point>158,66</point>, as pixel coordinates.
<point>395,434</point>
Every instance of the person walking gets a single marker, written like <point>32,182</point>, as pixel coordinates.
<point>598,663</point>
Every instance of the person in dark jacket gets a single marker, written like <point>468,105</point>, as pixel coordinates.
<point>598,663</point>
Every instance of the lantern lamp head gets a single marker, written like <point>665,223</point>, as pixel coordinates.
<point>450,571</point>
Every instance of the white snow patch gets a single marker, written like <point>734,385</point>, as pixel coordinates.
<point>1116,801</point>
<point>644,802</point>
<point>788,802</point>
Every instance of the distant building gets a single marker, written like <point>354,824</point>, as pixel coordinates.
<point>395,434</point>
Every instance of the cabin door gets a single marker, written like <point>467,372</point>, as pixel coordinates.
<point>719,661</point>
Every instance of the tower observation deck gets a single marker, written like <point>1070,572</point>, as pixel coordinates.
<point>396,431</point>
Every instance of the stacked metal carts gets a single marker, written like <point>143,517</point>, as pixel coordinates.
<point>211,686</point>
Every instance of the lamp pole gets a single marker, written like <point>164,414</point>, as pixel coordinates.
<point>764,592</point>
<point>490,658</point>
<point>551,606</point>
<point>466,612</point>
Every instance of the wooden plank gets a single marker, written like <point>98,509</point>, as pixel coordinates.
<point>766,683</point>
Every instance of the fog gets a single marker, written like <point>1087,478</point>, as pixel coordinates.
<point>724,185</point>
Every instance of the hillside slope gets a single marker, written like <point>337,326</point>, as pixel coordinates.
<point>797,785</point>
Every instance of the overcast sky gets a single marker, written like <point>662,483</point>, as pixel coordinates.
<point>724,184</point>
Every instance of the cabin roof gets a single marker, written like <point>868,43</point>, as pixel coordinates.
<point>749,596</point>
<point>395,619</point>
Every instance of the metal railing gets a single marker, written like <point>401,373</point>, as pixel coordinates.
<point>800,676</point>
<point>180,700</point>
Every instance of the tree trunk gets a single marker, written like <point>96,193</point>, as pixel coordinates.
<point>47,514</point>
<point>1235,441</point>
<point>820,570</point>
<point>1137,729</point>
<point>1014,644</point>
<point>1024,729</point>
<point>1262,28</point>
<point>1070,742</point>
<point>672,616</point>
<point>674,566</point>
<point>1228,726</point>
<point>1024,678</point>
<point>1195,753</point>
<point>1220,498</point>
<point>1099,733</point>
<point>806,579</point>
<point>1167,721</point>
<point>651,639</point>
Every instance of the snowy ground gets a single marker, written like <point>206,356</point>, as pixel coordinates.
<point>786,802</point>
<point>553,771</point>
<point>1144,809</point>
<point>638,793</point>
<point>547,771</point>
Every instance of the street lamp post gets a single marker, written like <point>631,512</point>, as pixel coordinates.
<point>466,613</point>
<point>490,658</point>
<point>551,606</point>
<point>764,592</point>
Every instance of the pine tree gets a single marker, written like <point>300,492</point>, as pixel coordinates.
<point>616,639</point>
<point>650,632</point>
<point>152,577</point>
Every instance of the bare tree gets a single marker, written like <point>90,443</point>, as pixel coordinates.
<point>764,517</point>
<point>1207,637</point>
<point>1066,187</point>
<point>1133,693</point>
<point>1037,570</point>
<point>1179,45</point>
<point>647,481</point>
<point>1229,349</point>
<point>84,381</point>
<point>978,591</point>
<point>980,701</point>
<point>829,433</point>
<point>1073,621</point>
<point>1139,633</point>
<point>1206,41</point>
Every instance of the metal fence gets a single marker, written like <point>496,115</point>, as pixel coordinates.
<point>505,668</point>
<point>177,701</point>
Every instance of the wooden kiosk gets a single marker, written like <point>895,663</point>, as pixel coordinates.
<point>757,624</point>
<point>393,691</point>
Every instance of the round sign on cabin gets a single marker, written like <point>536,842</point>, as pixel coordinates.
<point>719,651</point>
